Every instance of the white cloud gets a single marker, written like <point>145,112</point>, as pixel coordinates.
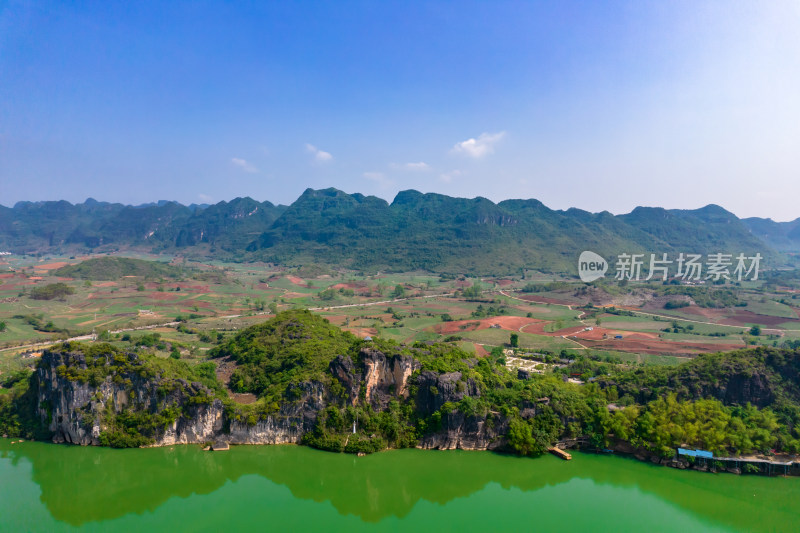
<point>447,177</point>
<point>206,199</point>
<point>319,155</point>
<point>480,147</point>
<point>244,165</point>
<point>417,167</point>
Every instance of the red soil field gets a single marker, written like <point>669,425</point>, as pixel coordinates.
<point>743,318</point>
<point>162,296</point>
<point>363,332</point>
<point>657,347</point>
<point>510,323</point>
<point>597,334</point>
<point>336,320</point>
<point>293,295</point>
<point>51,266</point>
<point>738,318</point>
<point>504,282</point>
<point>19,282</point>
<point>480,350</point>
<point>537,328</point>
<point>197,303</point>
<point>353,286</point>
<point>300,282</point>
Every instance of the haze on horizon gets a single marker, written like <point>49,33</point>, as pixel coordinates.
<point>577,104</point>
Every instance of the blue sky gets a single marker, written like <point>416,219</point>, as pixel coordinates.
<point>597,105</point>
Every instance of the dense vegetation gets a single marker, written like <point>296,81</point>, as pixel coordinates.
<point>704,403</point>
<point>428,231</point>
<point>740,402</point>
<point>18,406</point>
<point>297,347</point>
<point>52,291</point>
<point>114,268</point>
<point>767,378</point>
<point>95,363</point>
<point>703,296</point>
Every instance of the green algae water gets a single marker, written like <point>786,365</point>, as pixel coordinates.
<point>46,487</point>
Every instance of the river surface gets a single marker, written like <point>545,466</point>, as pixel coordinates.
<point>47,487</point>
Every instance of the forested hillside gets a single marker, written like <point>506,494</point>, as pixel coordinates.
<point>784,236</point>
<point>415,231</point>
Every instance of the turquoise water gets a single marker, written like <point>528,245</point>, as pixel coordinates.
<point>45,487</point>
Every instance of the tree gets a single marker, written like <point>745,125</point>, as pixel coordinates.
<point>51,291</point>
<point>273,308</point>
<point>399,291</point>
<point>2,326</point>
<point>381,288</point>
<point>755,331</point>
<point>514,340</point>
<point>520,437</point>
<point>474,292</point>
<point>327,294</point>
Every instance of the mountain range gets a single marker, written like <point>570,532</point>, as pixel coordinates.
<point>415,231</point>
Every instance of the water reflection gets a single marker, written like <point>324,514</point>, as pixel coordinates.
<point>79,485</point>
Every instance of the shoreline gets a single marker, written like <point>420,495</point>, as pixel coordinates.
<point>715,465</point>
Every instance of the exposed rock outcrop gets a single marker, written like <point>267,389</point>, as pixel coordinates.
<point>474,432</point>
<point>77,402</point>
<point>433,390</point>
<point>385,378</point>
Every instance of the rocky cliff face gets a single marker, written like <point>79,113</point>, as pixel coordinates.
<point>78,406</point>
<point>473,432</point>
<point>74,410</point>
<point>457,430</point>
<point>733,388</point>
<point>380,377</point>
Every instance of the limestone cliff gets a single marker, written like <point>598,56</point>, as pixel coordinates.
<point>94,399</point>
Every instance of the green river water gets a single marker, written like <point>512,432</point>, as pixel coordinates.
<point>46,487</point>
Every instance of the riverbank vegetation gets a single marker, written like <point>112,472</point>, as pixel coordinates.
<point>736,403</point>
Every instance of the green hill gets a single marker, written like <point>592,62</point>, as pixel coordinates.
<point>783,236</point>
<point>440,233</point>
<point>113,268</point>
<point>415,231</point>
